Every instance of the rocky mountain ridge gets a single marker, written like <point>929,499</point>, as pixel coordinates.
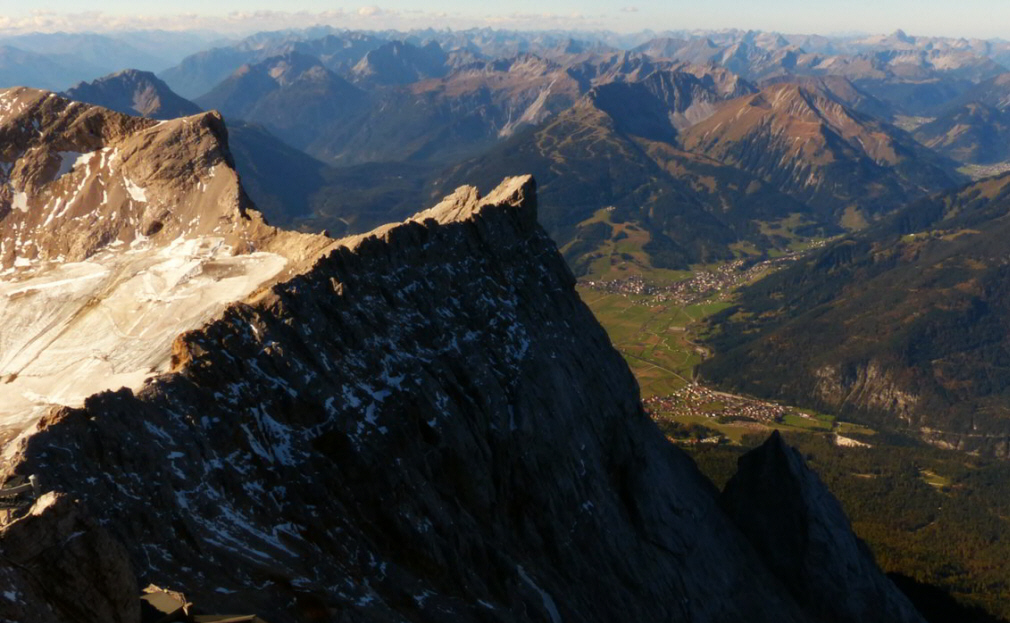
<point>138,93</point>
<point>427,424</point>
<point>814,148</point>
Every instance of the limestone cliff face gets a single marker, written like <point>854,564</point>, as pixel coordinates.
<point>869,387</point>
<point>428,425</point>
<point>800,530</point>
<point>78,178</point>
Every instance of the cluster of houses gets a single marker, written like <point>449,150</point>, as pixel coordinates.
<point>701,401</point>
<point>705,285</point>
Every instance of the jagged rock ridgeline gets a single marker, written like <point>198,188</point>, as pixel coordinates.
<point>427,425</point>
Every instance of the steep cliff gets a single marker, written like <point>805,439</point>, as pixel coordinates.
<point>429,424</point>
<point>422,423</point>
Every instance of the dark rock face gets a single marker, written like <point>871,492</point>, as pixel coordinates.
<point>428,425</point>
<point>58,564</point>
<point>802,533</point>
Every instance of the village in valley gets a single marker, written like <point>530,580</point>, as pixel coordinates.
<point>698,414</point>
<point>712,285</point>
<point>659,344</point>
<point>698,400</point>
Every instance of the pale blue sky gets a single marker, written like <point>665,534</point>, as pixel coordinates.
<point>968,18</point>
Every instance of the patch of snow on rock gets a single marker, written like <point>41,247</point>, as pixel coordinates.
<point>68,160</point>
<point>20,201</point>
<point>136,192</point>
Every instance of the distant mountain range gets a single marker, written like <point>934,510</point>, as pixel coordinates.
<point>707,163</point>
<point>713,146</point>
<point>55,61</point>
<point>652,156</point>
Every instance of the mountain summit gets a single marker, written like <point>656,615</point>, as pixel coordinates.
<point>139,93</point>
<point>816,149</point>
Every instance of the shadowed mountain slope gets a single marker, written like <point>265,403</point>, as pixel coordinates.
<point>427,424</point>
<point>133,92</point>
<point>975,133</point>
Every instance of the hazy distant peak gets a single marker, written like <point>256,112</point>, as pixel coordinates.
<point>134,92</point>
<point>397,62</point>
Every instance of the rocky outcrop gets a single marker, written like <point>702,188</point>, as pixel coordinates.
<point>77,179</point>
<point>58,564</point>
<point>282,181</point>
<point>802,533</point>
<point>868,387</point>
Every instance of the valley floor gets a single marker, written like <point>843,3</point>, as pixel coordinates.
<point>937,516</point>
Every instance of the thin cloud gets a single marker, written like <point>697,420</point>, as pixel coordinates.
<point>629,9</point>
<point>246,22</point>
